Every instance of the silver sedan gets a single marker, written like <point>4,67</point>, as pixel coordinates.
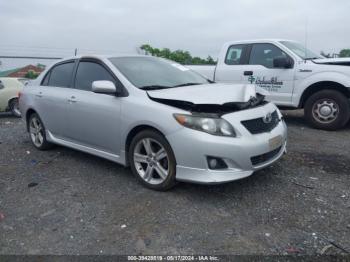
<point>166,122</point>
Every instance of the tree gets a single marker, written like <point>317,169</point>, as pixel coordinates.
<point>326,55</point>
<point>344,53</point>
<point>180,56</point>
<point>31,74</point>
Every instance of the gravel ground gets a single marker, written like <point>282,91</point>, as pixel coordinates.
<point>66,202</point>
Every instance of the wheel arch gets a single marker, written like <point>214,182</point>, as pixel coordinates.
<point>322,85</point>
<point>132,133</point>
<point>29,112</point>
<point>10,99</point>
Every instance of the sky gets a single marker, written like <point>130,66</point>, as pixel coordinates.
<point>57,27</point>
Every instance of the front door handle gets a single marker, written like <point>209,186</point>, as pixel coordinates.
<point>40,94</point>
<point>248,73</point>
<point>72,99</point>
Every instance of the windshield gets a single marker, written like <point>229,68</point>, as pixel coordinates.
<point>156,73</point>
<point>300,50</point>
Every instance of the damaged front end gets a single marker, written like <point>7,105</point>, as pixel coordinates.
<point>217,109</point>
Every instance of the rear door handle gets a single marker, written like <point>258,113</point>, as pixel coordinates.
<point>72,99</point>
<point>248,73</point>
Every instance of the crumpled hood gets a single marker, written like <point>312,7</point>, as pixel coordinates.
<point>333,61</point>
<point>209,93</point>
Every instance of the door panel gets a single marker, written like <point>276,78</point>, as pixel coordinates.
<point>51,98</point>
<point>278,81</point>
<point>94,119</point>
<point>52,109</point>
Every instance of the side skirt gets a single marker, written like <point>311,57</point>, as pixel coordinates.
<point>112,157</point>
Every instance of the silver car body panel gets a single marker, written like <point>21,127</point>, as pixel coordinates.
<point>99,124</point>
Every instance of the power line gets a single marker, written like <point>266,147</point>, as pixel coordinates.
<point>32,57</point>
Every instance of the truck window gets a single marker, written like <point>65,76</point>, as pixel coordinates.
<point>234,55</point>
<point>263,54</point>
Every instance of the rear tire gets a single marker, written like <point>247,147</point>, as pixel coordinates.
<point>327,110</point>
<point>14,107</point>
<point>37,133</point>
<point>152,160</point>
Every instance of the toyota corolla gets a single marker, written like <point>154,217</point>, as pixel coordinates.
<point>166,122</point>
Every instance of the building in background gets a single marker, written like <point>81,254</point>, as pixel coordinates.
<point>29,71</point>
<point>29,67</point>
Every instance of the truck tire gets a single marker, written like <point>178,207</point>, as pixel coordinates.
<point>327,109</point>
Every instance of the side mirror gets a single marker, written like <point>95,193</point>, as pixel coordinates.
<point>104,87</point>
<point>282,62</point>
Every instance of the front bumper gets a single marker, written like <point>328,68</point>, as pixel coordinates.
<point>191,149</point>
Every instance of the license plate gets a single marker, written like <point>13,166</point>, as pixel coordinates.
<point>275,142</point>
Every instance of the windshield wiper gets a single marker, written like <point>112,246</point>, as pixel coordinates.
<point>154,87</point>
<point>188,84</point>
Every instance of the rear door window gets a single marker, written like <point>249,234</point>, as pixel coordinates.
<point>89,72</point>
<point>234,55</point>
<point>61,75</point>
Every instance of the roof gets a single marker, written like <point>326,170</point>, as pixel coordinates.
<point>97,56</point>
<point>258,41</point>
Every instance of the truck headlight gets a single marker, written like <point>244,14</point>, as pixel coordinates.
<point>210,125</point>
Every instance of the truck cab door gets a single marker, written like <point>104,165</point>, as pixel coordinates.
<point>263,70</point>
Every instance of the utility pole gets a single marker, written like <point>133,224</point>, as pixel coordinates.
<point>76,51</point>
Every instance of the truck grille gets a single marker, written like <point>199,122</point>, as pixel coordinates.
<point>257,125</point>
<point>256,160</point>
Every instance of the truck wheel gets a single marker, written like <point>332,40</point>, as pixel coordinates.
<point>14,107</point>
<point>152,160</point>
<point>327,109</point>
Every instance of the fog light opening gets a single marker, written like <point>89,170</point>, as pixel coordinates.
<point>216,163</point>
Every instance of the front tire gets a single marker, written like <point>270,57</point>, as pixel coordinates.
<point>14,107</point>
<point>152,160</point>
<point>37,133</point>
<point>327,109</point>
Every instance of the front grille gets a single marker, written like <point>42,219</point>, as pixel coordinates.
<point>258,125</point>
<point>256,160</point>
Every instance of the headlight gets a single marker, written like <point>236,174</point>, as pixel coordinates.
<point>213,126</point>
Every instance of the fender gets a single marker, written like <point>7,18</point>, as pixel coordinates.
<point>336,77</point>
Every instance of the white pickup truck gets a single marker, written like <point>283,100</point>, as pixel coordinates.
<point>294,76</point>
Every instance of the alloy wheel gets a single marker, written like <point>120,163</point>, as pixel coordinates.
<point>151,161</point>
<point>36,131</point>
